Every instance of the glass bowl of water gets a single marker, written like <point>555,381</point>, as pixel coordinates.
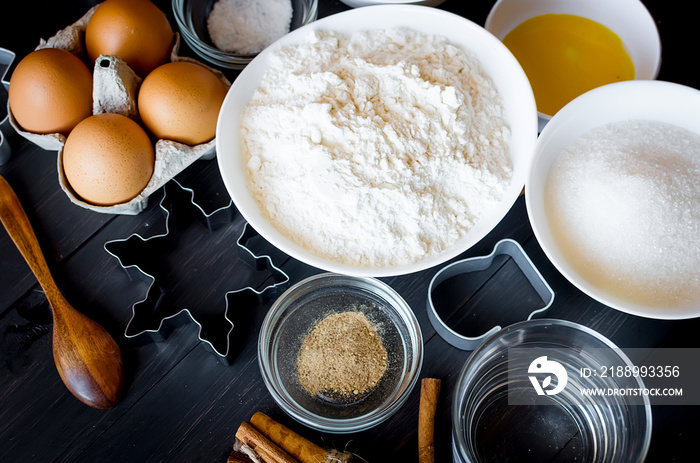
<point>520,397</point>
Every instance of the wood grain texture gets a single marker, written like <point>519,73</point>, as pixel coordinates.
<point>181,404</point>
<point>87,358</point>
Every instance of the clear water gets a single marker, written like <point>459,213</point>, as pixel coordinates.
<point>528,433</point>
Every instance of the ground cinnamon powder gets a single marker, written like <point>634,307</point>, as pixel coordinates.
<point>343,355</point>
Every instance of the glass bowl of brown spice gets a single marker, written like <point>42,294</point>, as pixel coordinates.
<point>340,353</point>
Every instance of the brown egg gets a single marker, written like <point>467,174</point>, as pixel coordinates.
<point>108,159</point>
<point>180,101</point>
<point>135,30</point>
<point>50,91</point>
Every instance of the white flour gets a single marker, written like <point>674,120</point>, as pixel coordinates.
<point>248,26</point>
<point>375,149</point>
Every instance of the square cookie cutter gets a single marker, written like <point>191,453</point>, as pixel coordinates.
<point>157,327</point>
<point>507,247</point>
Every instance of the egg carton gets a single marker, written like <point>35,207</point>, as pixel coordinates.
<point>115,88</point>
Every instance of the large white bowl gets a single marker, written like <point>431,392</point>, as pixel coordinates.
<point>629,19</point>
<point>361,3</point>
<point>496,61</point>
<point>632,100</point>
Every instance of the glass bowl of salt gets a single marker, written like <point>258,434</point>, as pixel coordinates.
<point>230,33</point>
<point>339,353</point>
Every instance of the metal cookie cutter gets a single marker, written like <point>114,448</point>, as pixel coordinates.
<point>6,59</point>
<point>475,264</point>
<point>150,317</point>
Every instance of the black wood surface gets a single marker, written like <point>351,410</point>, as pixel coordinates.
<point>181,403</point>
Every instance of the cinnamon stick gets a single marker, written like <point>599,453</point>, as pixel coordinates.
<point>241,450</point>
<point>237,457</point>
<point>297,446</point>
<point>268,451</point>
<point>429,394</point>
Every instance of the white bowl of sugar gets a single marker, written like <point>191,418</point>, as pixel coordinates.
<point>613,196</point>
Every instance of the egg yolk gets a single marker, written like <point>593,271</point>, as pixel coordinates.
<point>565,56</point>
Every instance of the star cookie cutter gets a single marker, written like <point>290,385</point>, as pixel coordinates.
<point>155,315</point>
<point>507,247</point>
<point>6,59</point>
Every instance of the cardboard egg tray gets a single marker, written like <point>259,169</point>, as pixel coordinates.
<point>115,88</point>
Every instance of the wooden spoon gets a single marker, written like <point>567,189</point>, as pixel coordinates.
<point>87,358</point>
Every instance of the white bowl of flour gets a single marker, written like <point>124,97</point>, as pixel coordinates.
<point>379,141</point>
<point>363,3</point>
<point>614,195</point>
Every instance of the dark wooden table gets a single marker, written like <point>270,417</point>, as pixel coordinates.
<point>182,404</point>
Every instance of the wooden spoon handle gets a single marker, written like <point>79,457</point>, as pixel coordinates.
<point>19,228</point>
<point>87,357</point>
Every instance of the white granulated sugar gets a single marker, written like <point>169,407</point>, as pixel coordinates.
<point>375,149</point>
<point>248,26</point>
<point>624,201</point>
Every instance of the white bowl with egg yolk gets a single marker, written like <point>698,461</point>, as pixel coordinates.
<point>628,19</point>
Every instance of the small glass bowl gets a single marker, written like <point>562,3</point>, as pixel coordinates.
<point>191,17</point>
<point>294,315</point>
